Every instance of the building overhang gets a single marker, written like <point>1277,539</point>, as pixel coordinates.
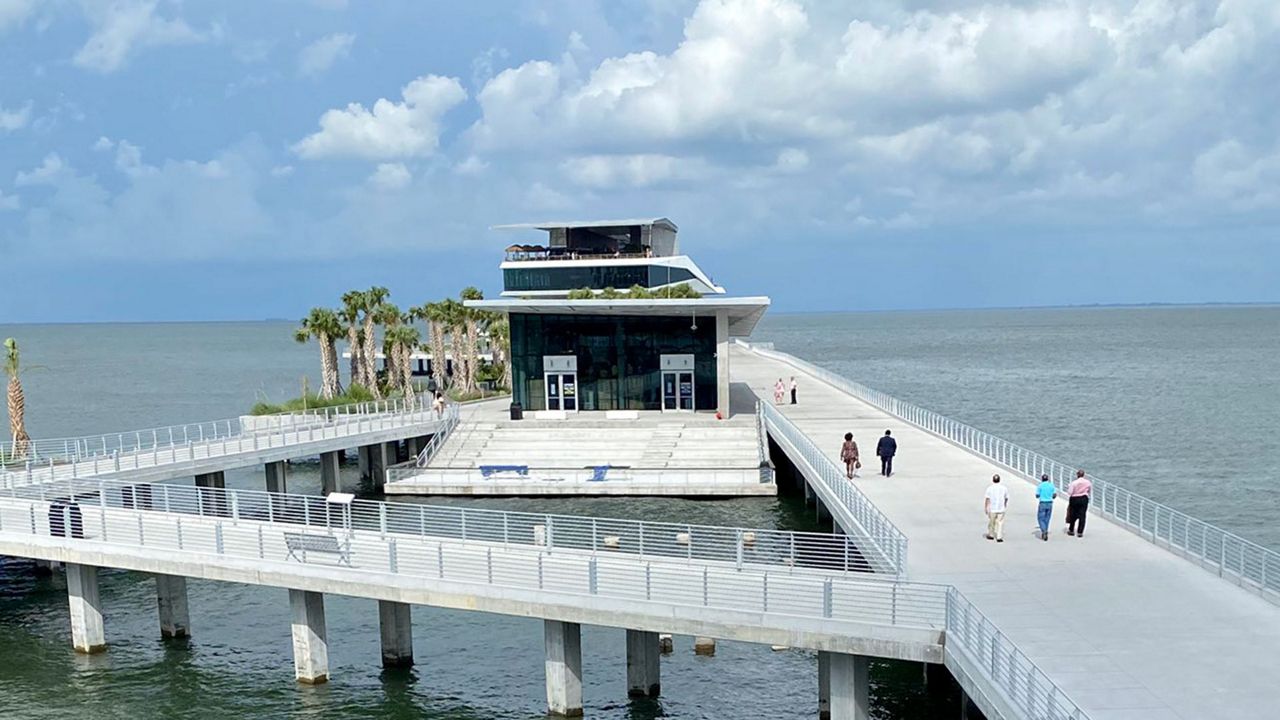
<point>742,312</point>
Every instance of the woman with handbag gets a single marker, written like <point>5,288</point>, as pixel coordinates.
<point>849,454</point>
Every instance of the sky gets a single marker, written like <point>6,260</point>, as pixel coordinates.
<point>200,160</point>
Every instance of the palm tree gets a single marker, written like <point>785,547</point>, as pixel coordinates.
<point>17,402</point>
<point>471,322</point>
<point>437,317</point>
<point>500,343</point>
<point>390,318</point>
<point>374,297</point>
<point>400,342</point>
<point>452,315</point>
<point>352,302</point>
<point>323,325</point>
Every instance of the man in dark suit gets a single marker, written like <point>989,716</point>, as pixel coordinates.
<point>885,450</point>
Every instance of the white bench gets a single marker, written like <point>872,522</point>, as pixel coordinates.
<point>299,544</point>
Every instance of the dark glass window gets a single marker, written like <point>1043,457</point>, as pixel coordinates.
<point>619,358</point>
<point>526,279</point>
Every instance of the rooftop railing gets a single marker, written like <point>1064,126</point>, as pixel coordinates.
<point>1241,561</point>
<point>113,452</point>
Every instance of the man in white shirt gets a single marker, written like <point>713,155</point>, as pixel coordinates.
<point>996,502</point>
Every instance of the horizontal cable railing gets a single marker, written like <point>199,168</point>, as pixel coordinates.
<point>1229,555</point>
<point>886,543</point>
<point>452,416</point>
<point>187,443</point>
<point>689,542</point>
<point>1019,680</point>
<point>808,575</point>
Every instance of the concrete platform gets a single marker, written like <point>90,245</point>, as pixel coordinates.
<point>1127,629</point>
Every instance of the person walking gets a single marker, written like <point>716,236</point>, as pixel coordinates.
<point>778,390</point>
<point>849,454</point>
<point>438,405</point>
<point>793,389</point>
<point>1045,493</point>
<point>995,504</point>
<point>885,450</point>
<point>1078,493</point>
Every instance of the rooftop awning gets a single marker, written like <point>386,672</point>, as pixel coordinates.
<point>661,221</point>
<point>743,312</point>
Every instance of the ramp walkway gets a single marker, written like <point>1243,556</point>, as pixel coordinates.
<point>1150,616</point>
<point>176,451</point>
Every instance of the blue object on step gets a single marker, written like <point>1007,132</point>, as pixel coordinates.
<point>598,472</point>
<point>487,470</point>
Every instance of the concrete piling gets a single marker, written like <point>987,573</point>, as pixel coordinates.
<point>171,599</point>
<point>704,646</point>
<point>665,644</point>
<point>564,667</point>
<point>329,478</point>
<point>276,477</point>
<point>395,621</point>
<point>310,640</point>
<point>88,634</point>
<point>643,666</point>
<point>849,687</point>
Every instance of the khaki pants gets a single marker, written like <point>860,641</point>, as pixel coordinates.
<point>995,525</point>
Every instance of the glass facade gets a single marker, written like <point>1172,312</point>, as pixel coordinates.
<point>596,277</point>
<point>619,358</point>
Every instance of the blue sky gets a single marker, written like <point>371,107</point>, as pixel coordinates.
<point>164,160</point>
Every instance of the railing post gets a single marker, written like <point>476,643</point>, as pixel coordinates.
<point>826,597</point>
<point>592,576</point>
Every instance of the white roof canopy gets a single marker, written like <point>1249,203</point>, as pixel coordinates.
<point>588,224</point>
<point>743,312</point>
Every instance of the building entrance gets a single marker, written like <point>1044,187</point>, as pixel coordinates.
<point>677,391</point>
<point>560,378</point>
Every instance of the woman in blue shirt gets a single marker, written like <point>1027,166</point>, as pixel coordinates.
<point>1045,493</point>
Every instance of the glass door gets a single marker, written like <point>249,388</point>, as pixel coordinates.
<point>677,391</point>
<point>562,391</point>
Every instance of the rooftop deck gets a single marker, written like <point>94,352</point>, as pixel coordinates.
<point>1125,627</point>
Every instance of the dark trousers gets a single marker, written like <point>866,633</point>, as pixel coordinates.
<point>793,396</point>
<point>1077,511</point>
<point>886,465</point>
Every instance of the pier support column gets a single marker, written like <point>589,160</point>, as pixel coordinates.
<point>395,620</point>
<point>643,666</point>
<point>276,477</point>
<point>171,597</point>
<point>212,480</point>
<point>329,463</point>
<point>374,461</point>
<point>850,689</point>
<point>87,632</point>
<point>564,667</point>
<point>824,685</point>
<point>310,642</point>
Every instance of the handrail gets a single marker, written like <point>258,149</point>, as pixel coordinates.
<point>186,444</point>
<point>72,449</point>
<point>888,543</point>
<point>1234,558</point>
<point>452,416</point>
<point>794,552</point>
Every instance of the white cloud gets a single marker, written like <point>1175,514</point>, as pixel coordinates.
<point>391,129</point>
<point>391,176</point>
<point>14,12</point>
<point>11,120</point>
<point>281,171</point>
<point>792,160</point>
<point>122,28</point>
<point>45,173</point>
<point>9,202</point>
<point>320,55</point>
<point>606,171</point>
<point>473,165</point>
<point>103,144</point>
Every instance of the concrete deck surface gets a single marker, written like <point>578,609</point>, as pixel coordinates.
<point>1126,629</point>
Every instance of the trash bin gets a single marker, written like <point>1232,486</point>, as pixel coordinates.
<point>517,411</point>
<point>65,519</point>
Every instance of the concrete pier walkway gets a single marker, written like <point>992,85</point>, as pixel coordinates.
<point>1126,628</point>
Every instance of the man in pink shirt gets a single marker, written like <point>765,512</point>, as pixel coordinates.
<point>1078,504</point>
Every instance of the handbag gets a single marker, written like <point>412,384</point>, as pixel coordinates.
<point>857,464</point>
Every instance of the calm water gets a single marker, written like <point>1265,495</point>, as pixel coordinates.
<point>1177,403</point>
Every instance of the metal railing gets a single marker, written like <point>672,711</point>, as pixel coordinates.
<point>808,575</point>
<point>1244,562</point>
<point>452,416</point>
<point>138,449</point>
<point>582,480</point>
<point>886,543</point>
<point>1019,680</point>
